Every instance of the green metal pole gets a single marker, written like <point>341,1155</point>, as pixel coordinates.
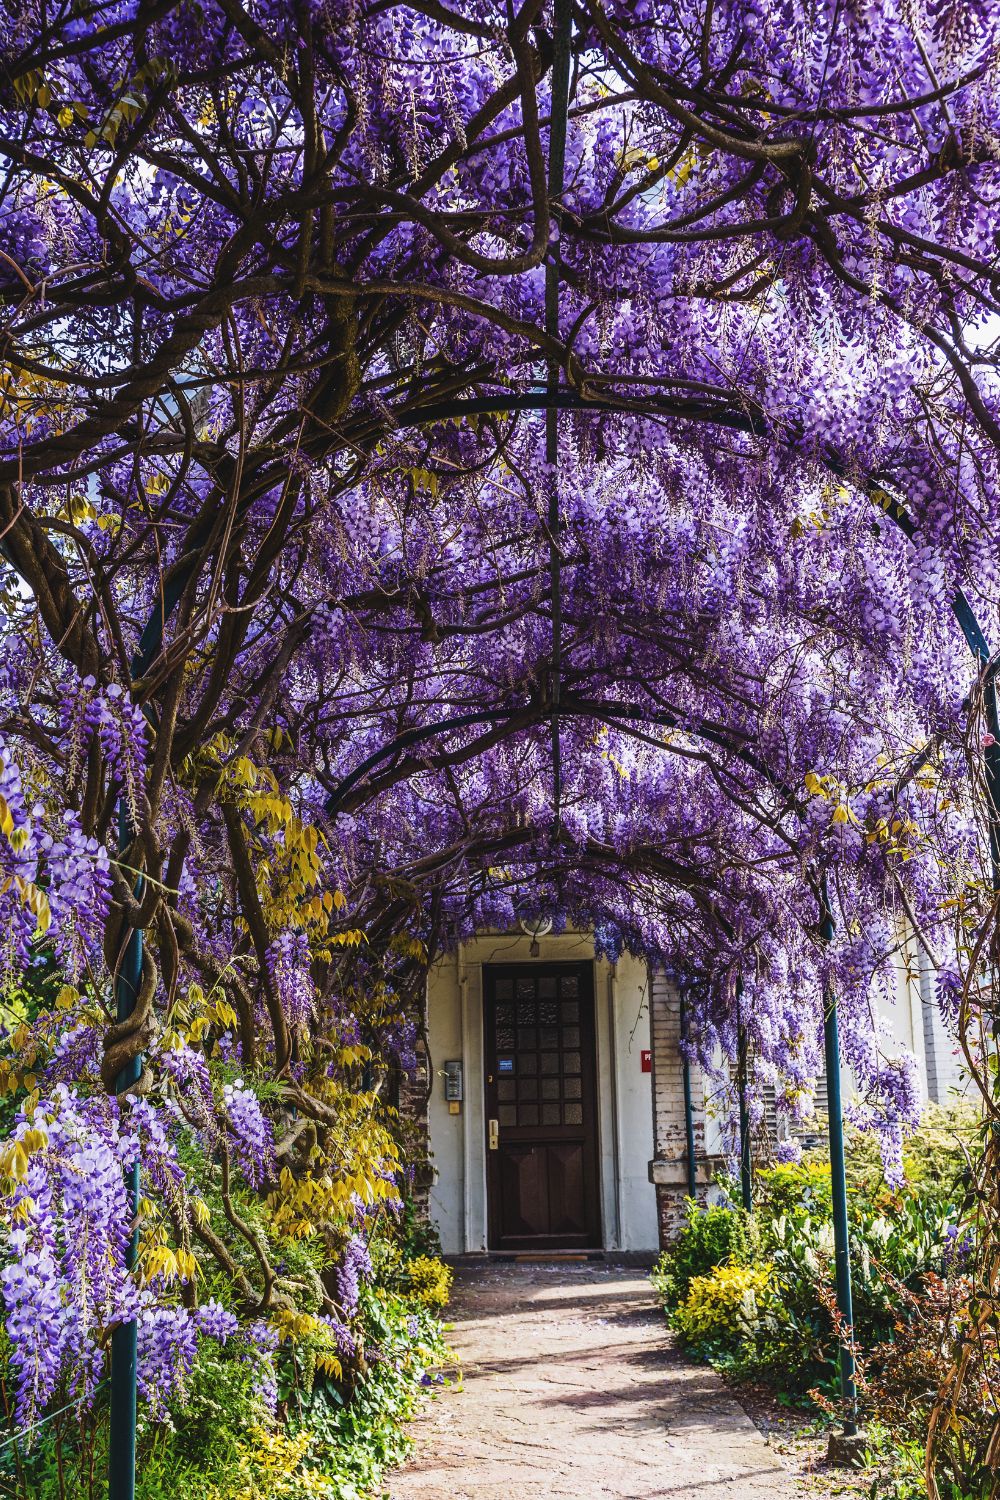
<point>838,1183</point>
<point>562,23</point>
<point>121,1437</point>
<point>746,1156</point>
<point>124,1339</point>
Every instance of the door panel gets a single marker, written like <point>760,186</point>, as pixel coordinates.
<point>541,1090</point>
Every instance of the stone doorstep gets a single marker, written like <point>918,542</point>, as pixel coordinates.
<point>672,1172</point>
<point>640,1260</point>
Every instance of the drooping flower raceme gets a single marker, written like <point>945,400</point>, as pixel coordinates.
<point>288,963</point>
<point>65,1220</point>
<point>249,1132</point>
<point>355,1266</point>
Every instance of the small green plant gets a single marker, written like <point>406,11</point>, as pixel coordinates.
<point>711,1237</point>
<point>725,1306</point>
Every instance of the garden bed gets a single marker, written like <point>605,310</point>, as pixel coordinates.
<point>752,1294</point>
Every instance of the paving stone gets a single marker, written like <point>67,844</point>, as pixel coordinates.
<point>573,1389</point>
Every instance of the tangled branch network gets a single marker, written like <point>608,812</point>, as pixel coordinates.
<point>284,652</point>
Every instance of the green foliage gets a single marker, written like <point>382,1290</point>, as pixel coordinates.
<point>335,1446</point>
<point>711,1237</point>
<point>417,1234</point>
<point>428,1280</point>
<point>902,1377</point>
<point>895,1469</point>
<point>355,1442</point>
<point>755,1296</point>
<point>725,1306</point>
<point>333,1439</point>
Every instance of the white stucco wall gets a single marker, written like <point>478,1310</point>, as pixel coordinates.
<point>625,1112</point>
<point>912,1020</point>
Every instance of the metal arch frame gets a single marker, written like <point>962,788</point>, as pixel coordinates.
<point>123,1354</point>
<point>551,400</point>
<point>976,640</point>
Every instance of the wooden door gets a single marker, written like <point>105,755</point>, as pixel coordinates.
<point>541,1107</point>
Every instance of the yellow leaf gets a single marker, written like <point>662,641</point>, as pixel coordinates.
<point>161,1261</point>
<point>15,1162</point>
<point>187,1266</point>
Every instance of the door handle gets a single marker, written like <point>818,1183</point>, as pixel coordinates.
<point>494,1134</point>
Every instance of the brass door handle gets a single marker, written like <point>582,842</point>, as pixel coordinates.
<point>494,1134</point>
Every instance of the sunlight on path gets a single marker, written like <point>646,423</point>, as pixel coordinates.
<point>572,1389</point>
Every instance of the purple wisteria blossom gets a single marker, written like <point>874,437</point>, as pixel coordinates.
<point>355,1266</point>
<point>249,1132</point>
<point>288,962</point>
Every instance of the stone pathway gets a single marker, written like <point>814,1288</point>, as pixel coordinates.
<point>573,1391</point>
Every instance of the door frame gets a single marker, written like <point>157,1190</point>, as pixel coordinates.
<point>593,1164</point>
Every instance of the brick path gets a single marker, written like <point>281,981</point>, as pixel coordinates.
<point>573,1391</point>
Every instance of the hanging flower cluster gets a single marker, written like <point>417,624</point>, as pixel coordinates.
<point>249,1133</point>
<point>89,714</point>
<point>355,1267</point>
<point>288,964</point>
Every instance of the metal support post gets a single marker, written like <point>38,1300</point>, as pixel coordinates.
<point>688,1110</point>
<point>124,1339</point>
<point>746,1150</point>
<point>838,1183</point>
<point>122,1417</point>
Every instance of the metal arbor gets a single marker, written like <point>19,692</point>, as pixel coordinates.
<point>550,399</point>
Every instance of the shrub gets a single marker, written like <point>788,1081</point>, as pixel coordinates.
<point>711,1237</point>
<point>273,1466</point>
<point>331,1439</point>
<point>903,1376</point>
<point>794,1188</point>
<point>725,1306</point>
<point>428,1280</point>
<point>899,1239</point>
<point>353,1442</point>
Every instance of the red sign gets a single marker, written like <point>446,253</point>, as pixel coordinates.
<point>646,1059</point>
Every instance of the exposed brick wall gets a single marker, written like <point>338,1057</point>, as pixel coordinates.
<point>413,1096</point>
<point>669,1168</point>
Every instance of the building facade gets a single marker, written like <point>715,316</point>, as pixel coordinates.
<point>555,1096</point>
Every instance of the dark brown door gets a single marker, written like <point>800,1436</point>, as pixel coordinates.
<point>541,1107</point>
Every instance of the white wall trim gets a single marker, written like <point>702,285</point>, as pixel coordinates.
<point>476,1232</point>
<point>613,1222</point>
<point>604,1055</point>
<point>624,1113</point>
